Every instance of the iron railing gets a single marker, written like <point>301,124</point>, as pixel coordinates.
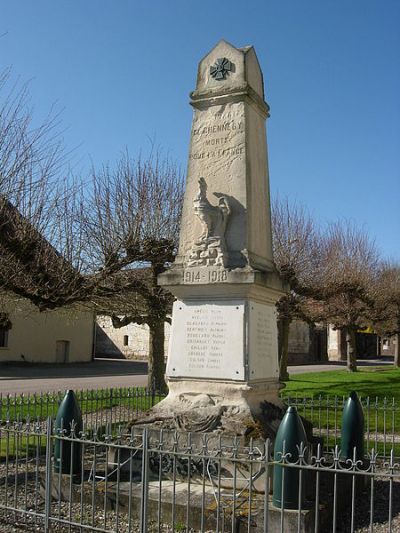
<point>120,405</point>
<point>147,480</point>
<point>381,420</point>
<point>99,406</point>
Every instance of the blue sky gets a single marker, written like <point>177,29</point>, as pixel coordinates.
<point>122,71</point>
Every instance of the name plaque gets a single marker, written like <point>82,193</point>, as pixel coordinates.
<point>263,341</point>
<point>207,340</point>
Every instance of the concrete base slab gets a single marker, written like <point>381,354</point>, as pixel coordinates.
<point>198,506</point>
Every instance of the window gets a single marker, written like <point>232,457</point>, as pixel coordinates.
<point>385,344</point>
<point>3,338</point>
<point>126,340</point>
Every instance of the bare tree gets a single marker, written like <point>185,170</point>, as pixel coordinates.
<point>348,270</point>
<point>100,243</point>
<point>31,160</point>
<point>133,229</point>
<point>330,275</point>
<point>296,253</point>
<point>386,309</point>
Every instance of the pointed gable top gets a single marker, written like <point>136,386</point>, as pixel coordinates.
<point>227,68</point>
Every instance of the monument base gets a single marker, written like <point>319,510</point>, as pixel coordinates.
<point>219,407</point>
<point>222,369</point>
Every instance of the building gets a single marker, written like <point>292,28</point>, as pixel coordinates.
<point>128,342</point>
<point>31,267</point>
<point>307,343</point>
<point>388,346</point>
<point>368,344</point>
<point>58,336</point>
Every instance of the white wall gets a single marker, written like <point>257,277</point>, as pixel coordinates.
<point>334,341</point>
<point>34,335</point>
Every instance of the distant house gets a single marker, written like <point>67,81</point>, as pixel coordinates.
<point>58,336</point>
<point>31,266</point>
<point>128,342</point>
<point>307,343</point>
<point>368,345</point>
<point>388,345</point>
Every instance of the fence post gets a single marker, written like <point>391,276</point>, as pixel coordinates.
<point>48,491</point>
<point>111,406</point>
<point>352,429</point>
<point>290,435</point>
<point>69,422</point>
<point>145,482</point>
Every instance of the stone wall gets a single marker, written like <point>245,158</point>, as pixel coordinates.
<point>300,343</point>
<point>129,342</point>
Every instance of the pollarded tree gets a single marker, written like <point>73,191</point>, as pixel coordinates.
<point>296,244</point>
<point>386,309</point>
<point>132,230</point>
<point>64,243</point>
<point>349,263</point>
<point>31,194</point>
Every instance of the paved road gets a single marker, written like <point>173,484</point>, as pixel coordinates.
<point>98,374</point>
<point>103,373</point>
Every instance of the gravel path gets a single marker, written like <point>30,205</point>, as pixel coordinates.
<point>28,497</point>
<point>381,510</point>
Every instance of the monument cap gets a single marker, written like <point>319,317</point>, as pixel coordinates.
<point>227,70</point>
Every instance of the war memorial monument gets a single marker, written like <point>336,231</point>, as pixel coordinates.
<point>221,452</point>
<point>222,369</point>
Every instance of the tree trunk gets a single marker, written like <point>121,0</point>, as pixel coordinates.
<point>351,350</point>
<point>396,350</point>
<point>378,346</point>
<point>156,369</point>
<point>283,329</point>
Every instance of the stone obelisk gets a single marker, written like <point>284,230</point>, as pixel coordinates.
<point>222,368</point>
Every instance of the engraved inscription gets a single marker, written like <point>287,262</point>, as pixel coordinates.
<point>263,341</point>
<point>220,135</point>
<point>206,331</point>
<point>207,340</point>
<point>264,331</point>
<point>218,128</point>
<point>205,275</point>
<point>217,153</point>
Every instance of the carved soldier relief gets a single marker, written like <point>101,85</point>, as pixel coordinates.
<point>210,248</point>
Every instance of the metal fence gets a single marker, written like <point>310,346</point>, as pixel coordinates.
<point>382,420</point>
<point>162,481</point>
<point>100,406</point>
<point>118,406</point>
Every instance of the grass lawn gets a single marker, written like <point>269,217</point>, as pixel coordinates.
<point>41,406</point>
<point>319,397</point>
<point>375,382</point>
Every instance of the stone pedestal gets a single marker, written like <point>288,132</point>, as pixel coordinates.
<point>222,365</point>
